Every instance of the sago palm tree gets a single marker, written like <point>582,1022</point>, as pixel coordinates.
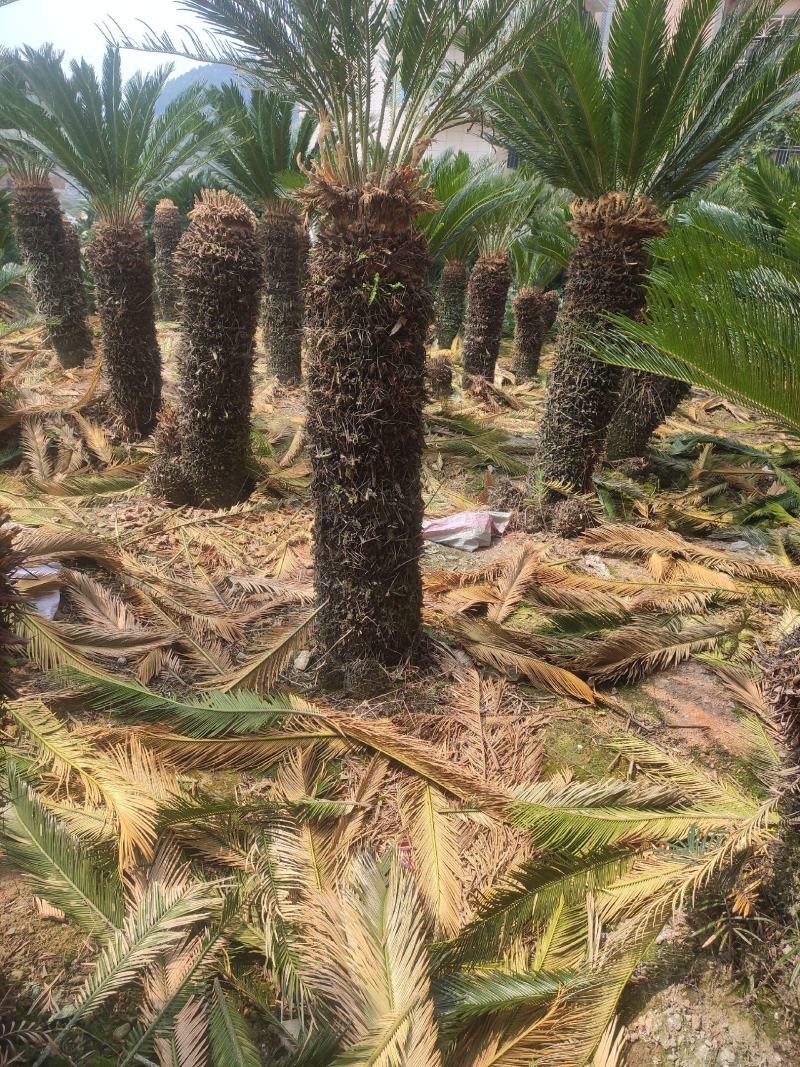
<point>464,192</point>
<point>105,135</point>
<point>51,251</point>
<point>722,305</point>
<point>629,134</point>
<point>261,162</point>
<point>490,278</point>
<point>167,230</point>
<point>218,266</point>
<point>383,80</point>
<point>538,258</point>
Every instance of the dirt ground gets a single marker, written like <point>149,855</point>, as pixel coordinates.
<point>696,1021</point>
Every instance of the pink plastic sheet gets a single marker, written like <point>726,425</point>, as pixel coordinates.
<point>467,530</point>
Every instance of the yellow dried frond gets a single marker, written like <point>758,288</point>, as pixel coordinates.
<point>640,543</point>
<point>519,574</point>
<point>437,861</point>
<point>511,652</point>
<point>261,672</point>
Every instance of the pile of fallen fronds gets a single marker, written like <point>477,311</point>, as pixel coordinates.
<point>323,908</point>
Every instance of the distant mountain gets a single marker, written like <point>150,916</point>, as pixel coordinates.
<point>206,74</point>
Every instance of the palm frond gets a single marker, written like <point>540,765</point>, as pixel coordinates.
<point>434,834</point>
<point>58,866</point>
<point>106,134</point>
<point>413,71</point>
<point>231,1042</point>
<point>512,652</point>
<point>367,963</point>
<point>261,672</point>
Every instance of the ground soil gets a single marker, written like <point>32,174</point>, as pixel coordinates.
<point>703,1019</point>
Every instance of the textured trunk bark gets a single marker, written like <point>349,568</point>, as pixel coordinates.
<point>284,242</point>
<point>219,267</point>
<point>167,230</point>
<point>368,313</point>
<point>605,275</point>
<point>439,372</point>
<point>123,279</point>
<point>51,249</point>
<point>534,313</point>
<point>450,300</point>
<point>488,288</point>
<point>645,402</point>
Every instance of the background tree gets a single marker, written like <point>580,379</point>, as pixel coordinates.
<point>490,278</point>
<point>50,249</point>
<point>106,137</point>
<point>261,163</point>
<point>465,192</point>
<point>629,137</point>
<point>722,306</point>
<point>218,265</point>
<point>167,230</point>
<point>538,257</point>
<point>360,69</point>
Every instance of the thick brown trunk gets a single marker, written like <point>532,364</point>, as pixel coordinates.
<point>605,275</point>
<point>167,230</point>
<point>284,242</point>
<point>486,304</point>
<point>529,333</point>
<point>450,300</point>
<point>645,402</point>
<point>123,279</point>
<point>368,313</point>
<point>205,452</point>
<point>51,249</point>
<point>439,372</point>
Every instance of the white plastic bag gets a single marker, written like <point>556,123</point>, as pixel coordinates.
<point>467,530</point>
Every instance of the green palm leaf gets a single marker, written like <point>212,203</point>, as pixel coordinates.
<point>268,141</point>
<point>57,865</point>
<point>103,133</point>
<point>231,1042</point>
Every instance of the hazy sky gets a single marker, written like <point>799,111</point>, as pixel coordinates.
<point>72,26</point>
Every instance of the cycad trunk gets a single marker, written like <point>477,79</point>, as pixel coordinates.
<point>284,243</point>
<point>368,313</point>
<point>529,332</point>
<point>450,300</point>
<point>487,291</point>
<point>123,280</point>
<point>645,402</point>
<point>605,275</point>
<point>167,230</point>
<point>51,249</point>
<point>218,262</point>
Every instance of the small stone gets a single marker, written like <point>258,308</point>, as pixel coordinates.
<point>696,1022</point>
<point>593,564</point>
<point>301,659</point>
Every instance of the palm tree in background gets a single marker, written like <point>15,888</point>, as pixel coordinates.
<point>520,199</point>
<point>722,300</point>
<point>261,163</point>
<point>167,227</point>
<point>383,80</point>
<point>538,258</point>
<point>105,136</point>
<point>629,137</point>
<point>203,450</point>
<point>51,250</point>
<point>464,192</point>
